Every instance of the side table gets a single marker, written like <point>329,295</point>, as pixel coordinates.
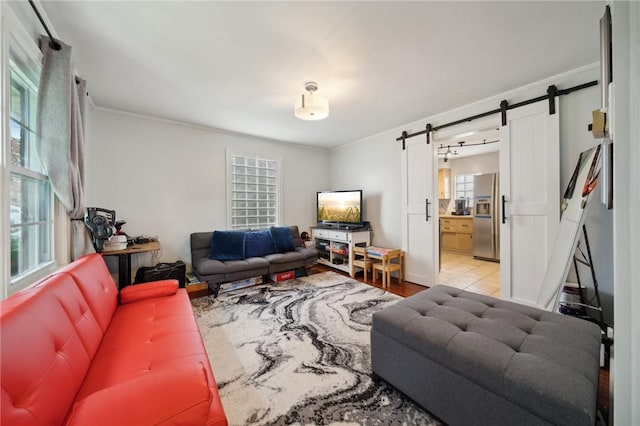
<point>197,289</point>
<point>124,259</point>
<point>389,260</point>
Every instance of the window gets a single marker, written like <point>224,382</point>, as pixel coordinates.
<point>30,194</point>
<point>464,187</point>
<point>254,189</point>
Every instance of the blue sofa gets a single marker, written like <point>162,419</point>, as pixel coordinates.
<point>224,256</point>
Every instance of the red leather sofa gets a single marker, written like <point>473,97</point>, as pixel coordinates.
<point>73,351</point>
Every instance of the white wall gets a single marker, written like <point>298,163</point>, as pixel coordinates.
<point>483,163</point>
<point>576,108</point>
<point>373,164</point>
<point>169,179</point>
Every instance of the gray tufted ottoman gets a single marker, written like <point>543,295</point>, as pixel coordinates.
<point>471,359</point>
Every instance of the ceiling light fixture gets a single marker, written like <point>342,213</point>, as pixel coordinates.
<point>448,153</point>
<point>311,107</point>
<point>446,150</point>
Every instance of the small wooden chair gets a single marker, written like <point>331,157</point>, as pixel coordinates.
<point>392,261</point>
<point>361,259</point>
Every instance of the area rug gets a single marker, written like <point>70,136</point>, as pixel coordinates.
<point>299,353</point>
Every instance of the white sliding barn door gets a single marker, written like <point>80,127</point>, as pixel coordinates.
<point>419,212</point>
<point>530,185</point>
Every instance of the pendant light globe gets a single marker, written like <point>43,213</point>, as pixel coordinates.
<point>309,106</point>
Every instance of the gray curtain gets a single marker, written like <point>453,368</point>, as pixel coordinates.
<point>60,128</point>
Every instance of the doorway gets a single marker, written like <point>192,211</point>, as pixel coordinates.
<point>529,208</point>
<point>466,273</point>
<point>466,211</point>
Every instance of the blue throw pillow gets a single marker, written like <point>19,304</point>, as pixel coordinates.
<point>227,245</point>
<point>282,239</point>
<point>258,243</point>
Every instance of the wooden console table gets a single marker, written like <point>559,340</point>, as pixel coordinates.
<point>124,259</point>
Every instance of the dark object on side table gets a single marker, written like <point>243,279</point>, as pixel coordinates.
<point>101,224</point>
<point>162,271</point>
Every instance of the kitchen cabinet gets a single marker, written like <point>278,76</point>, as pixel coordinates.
<point>457,233</point>
<point>444,183</point>
<point>464,242</point>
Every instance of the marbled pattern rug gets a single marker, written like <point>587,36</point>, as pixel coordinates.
<point>302,356</point>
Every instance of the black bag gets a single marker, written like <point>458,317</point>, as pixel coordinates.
<point>162,271</point>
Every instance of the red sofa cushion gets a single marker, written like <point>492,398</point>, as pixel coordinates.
<point>95,282</point>
<point>185,399</point>
<point>145,336</point>
<point>48,338</point>
<point>134,293</point>
<point>151,336</point>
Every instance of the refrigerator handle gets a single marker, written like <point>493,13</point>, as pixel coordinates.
<point>426,209</point>
<point>504,201</point>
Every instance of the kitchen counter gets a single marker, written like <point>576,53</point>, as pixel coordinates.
<point>453,216</point>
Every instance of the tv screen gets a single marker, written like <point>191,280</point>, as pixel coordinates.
<point>340,207</point>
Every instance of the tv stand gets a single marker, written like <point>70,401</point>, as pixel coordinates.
<point>335,246</point>
<point>342,226</point>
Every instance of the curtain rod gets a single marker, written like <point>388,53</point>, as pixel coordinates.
<point>552,92</point>
<point>53,43</point>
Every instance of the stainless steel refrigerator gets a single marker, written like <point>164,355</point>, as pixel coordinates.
<point>486,228</point>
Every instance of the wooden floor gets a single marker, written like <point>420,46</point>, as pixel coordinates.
<point>406,289</point>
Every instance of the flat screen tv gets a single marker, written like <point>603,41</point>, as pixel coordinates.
<point>340,207</point>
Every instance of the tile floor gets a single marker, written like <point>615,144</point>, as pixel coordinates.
<point>465,272</point>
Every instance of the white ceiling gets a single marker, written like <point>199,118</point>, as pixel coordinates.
<point>239,66</point>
